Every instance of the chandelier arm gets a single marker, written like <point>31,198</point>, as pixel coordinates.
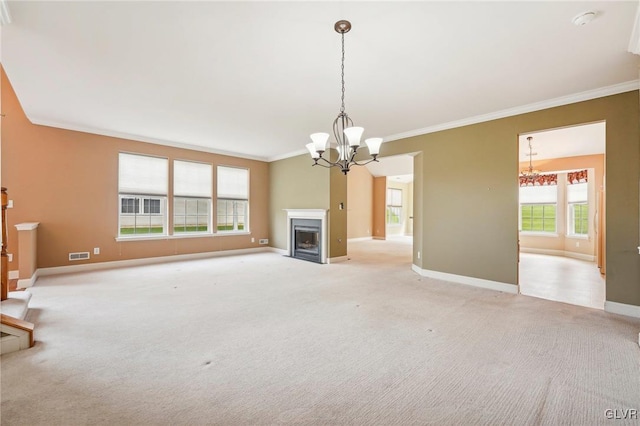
<point>355,163</point>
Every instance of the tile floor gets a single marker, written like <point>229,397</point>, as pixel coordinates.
<point>562,279</point>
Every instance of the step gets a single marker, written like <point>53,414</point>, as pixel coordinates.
<point>16,305</point>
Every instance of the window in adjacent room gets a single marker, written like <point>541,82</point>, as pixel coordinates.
<point>232,200</point>
<point>192,195</point>
<point>394,206</point>
<point>578,211</point>
<point>538,208</point>
<point>142,190</point>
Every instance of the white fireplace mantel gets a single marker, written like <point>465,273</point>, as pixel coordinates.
<point>320,214</point>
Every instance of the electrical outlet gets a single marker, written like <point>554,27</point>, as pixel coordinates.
<point>418,255</point>
<point>253,240</point>
<point>10,204</point>
<point>577,243</point>
<point>10,256</point>
<point>96,250</point>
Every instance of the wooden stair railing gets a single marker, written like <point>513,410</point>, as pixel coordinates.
<point>4,293</point>
<point>20,325</point>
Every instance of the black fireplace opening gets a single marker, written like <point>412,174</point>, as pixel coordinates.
<point>306,239</point>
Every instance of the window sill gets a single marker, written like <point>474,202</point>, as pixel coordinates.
<point>539,234</point>
<point>181,236</point>
<point>578,236</point>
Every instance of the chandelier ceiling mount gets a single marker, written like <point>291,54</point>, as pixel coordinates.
<point>346,134</point>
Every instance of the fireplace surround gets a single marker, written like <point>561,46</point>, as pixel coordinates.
<point>307,234</point>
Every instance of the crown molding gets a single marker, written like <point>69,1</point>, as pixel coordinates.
<point>5,16</point>
<point>634,41</point>
<point>537,106</point>
<point>144,139</point>
<point>288,155</point>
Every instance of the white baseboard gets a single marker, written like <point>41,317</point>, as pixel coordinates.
<point>28,282</point>
<point>56,270</point>
<point>563,253</point>
<point>337,259</point>
<point>14,275</point>
<point>283,252</point>
<point>352,240</point>
<point>461,279</point>
<point>622,309</point>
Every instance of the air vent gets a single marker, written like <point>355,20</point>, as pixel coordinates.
<point>79,256</point>
<point>263,241</point>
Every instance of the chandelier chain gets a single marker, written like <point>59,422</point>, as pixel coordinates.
<point>342,75</point>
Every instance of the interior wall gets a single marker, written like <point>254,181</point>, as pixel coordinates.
<point>360,203</point>
<point>294,184</point>
<point>562,241</point>
<point>475,167</point>
<point>337,214</point>
<point>379,207</point>
<point>68,181</point>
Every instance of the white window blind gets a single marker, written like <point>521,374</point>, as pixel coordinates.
<point>233,183</point>
<point>577,193</point>
<point>538,194</point>
<point>140,174</point>
<point>394,197</point>
<point>192,179</point>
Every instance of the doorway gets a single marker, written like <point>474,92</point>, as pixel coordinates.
<point>561,216</point>
<point>380,207</point>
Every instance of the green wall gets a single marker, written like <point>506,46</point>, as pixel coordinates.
<point>294,184</point>
<point>475,168</point>
<point>466,193</point>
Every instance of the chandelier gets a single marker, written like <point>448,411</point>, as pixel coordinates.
<point>347,136</point>
<point>530,173</point>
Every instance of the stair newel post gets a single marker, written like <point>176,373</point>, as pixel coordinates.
<point>5,257</point>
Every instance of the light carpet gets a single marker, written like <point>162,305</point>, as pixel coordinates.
<point>266,339</point>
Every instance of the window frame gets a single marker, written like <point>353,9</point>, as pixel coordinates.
<point>571,219</point>
<point>140,213</point>
<point>235,216</point>
<point>182,196</point>
<point>391,207</point>
<point>538,232</point>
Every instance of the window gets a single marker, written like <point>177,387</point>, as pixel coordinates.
<point>129,205</point>
<point>232,199</point>
<point>142,188</point>
<point>538,217</point>
<point>538,208</point>
<point>578,211</point>
<point>192,189</point>
<point>394,206</point>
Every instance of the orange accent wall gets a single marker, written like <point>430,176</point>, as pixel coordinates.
<point>359,203</point>
<point>379,207</point>
<point>68,181</point>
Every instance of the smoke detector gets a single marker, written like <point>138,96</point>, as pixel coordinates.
<point>583,18</point>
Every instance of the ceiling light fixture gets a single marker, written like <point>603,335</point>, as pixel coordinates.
<point>530,173</point>
<point>347,136</point>
<point>584,18</point>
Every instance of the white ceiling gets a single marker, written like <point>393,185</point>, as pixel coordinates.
<point>256,78</point>
<point>396,165</point>
<point>567,142</point>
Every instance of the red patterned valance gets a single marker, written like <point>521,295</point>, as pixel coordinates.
<point>548,179</point>
<point>577,177</point>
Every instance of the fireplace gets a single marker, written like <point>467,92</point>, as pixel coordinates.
<point>307,234</point>
<point>306,239</point>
